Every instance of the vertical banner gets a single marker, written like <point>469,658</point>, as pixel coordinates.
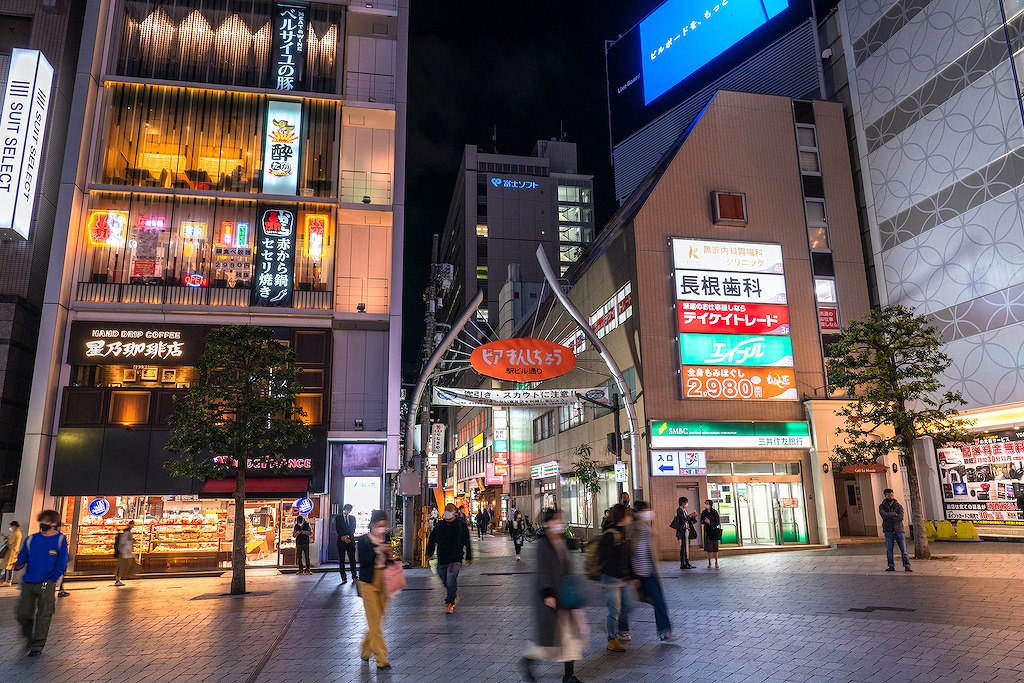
<point>275,256</point>
<point>22,128</point>
<point>288,55</point>
<point>281,147</point>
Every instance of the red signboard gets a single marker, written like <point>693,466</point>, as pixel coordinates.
<point>828,319</point>
<point>530,360</point>
<point>709,317</point>
<point>701,381</point>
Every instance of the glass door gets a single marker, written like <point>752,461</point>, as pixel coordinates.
<point>759,524</point>
<point>789,505</point>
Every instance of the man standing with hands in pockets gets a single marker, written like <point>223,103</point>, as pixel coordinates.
<point>451,539</point>
<point>345,525</point>
<point>45,558</point>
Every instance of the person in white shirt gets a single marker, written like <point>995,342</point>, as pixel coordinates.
<point>124,551</point>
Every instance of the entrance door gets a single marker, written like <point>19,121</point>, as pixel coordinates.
<point>692,495</point>
<point>851,509</point>
<point>758,514</point>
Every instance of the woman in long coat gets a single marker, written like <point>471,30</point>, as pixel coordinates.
<point>560,636</point>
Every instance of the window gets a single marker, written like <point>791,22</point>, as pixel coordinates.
<point>806,138</point>
<point>825,290</point>
<point>822,264</point>
<point>481,230</point>
<point>568,194</point>
<point>818,237</point>
<point>629,376</point>
<point>544,426</point>
<point>571,416</point>
<point>14,32</point>
<point>482,315</point>
<point>729,208</point>
<point>809,162</point>
<point>568,213</point>
<point>569,254</point>
<point>815,210</point>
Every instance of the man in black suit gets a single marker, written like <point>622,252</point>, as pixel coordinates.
<point>345,524</point>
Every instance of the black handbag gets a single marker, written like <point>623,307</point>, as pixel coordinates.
<point>676,523</point>
<point>715,533</point>
<point>693,530</point>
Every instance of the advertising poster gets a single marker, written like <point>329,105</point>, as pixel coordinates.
<point>981,482</point>
<point>363,494</point>
<point>715,382</point>
<point>708,317</point>
<point>735,349</point>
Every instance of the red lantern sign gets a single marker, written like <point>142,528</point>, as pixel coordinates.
<point>523,360</point>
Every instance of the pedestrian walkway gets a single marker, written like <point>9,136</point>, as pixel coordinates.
<point>813,616</point>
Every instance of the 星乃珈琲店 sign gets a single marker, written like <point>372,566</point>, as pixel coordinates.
<point>523,359</point>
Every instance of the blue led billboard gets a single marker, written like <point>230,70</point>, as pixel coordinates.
<point>684,45</point>
<point>683,35</point>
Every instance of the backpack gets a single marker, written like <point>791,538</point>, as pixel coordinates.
<point>592,559</point>
<point>117,542</point>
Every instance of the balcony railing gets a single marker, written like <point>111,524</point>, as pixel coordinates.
<point>366,87</point>
<point>112,292</point>
<point>373,293</point>
<point>365,187</point>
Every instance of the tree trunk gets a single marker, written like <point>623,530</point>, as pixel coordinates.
<point>921,551</point>
<point>238,537</point>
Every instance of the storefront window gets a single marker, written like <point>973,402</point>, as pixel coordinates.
<point>228,42</point>
<point>208,140</point>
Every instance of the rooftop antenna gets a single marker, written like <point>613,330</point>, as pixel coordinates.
<point>494,138</point>
<point>561,131</point>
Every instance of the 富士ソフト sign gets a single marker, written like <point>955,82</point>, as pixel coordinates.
<point>523,359</point>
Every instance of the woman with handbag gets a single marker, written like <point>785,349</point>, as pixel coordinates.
<point>711,522</point>
<point>685,532</point>
<point>517,530</point>
<point>375,552</point>
<point>559,597</point>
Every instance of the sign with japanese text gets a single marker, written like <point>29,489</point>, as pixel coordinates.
<point>26,108</point>
<point>461,452</point>
<point>981,481</point>
<point>445,396</point>
<point>106,228</point>
<point>739,382</point>
<point>437,437</point>
<point>281,147</point>
<point>613,313</point>
<point>735,349</point>
<point>111,343</point>
<point>828,319</point>
<point>679,463</point>
<point>513,184</point>
<point>620,473</point>
<point>735,257</point>
<point>522,359</point>
<point>710,317</point>
<point>288,54</point>
<point>491,476</point>
<point>677,435</point>
<point>718,285</point>
<point>275,257</point>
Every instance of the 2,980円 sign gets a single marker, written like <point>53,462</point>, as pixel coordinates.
<point>530,360</point>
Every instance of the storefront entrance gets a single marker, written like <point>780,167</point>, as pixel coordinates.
<point>760,512</point>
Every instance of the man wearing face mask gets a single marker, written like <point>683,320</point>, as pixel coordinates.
<point>645,568</point>
<point>45,556</point>
<point>450,537</point>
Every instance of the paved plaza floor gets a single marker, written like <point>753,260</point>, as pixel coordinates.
<point>817,615</point>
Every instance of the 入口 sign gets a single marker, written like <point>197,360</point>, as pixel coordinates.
<point>679,463</point>
<point>26,107</point>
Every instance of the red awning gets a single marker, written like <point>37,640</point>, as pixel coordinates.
<point>278,487</point>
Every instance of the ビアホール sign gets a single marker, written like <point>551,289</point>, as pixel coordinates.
<point>522,359</point>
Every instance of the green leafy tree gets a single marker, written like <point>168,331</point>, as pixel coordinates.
<point>888,363</point>
<point>243,412</point>
<point>586,472</point>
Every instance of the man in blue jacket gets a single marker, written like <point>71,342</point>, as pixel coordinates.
<point>45,558</point>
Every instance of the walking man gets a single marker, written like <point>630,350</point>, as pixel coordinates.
<point>615,556</point>
<point>345,525</point>
<point>891,513</point>
<point>124,548</point>
<point>302,533</point>
<point>481,522</point>
<point>646,569</point>
<point>45,556</point>
<point>451,539</point>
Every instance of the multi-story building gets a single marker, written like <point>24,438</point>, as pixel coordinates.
<point>39,44</point>
<point>933,101</point>
<point>230,163</point>
<point>502,208</point>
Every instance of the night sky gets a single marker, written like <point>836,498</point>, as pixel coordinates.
<point>525,66</point>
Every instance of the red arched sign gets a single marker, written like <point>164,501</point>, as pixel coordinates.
<point>523,360</point>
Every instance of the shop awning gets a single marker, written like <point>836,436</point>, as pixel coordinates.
<point>268,487</point>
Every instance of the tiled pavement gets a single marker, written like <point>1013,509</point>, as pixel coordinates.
<point>773,617</point>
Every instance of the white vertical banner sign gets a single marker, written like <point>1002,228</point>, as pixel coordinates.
<point>281,147</point>
<point>23,117</point>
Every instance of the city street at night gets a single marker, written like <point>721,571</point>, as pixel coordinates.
<point>815,615</point>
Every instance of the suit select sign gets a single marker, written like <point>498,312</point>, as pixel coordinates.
<point>22,129</point>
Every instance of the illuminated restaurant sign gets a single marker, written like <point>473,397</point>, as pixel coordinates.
<point>107,228</point>
<point>112,343</point>
<point>316,229</point>
<point>735,349</point>
<point>281,147</point>
<point>288,56</point>
<point>275,257</point>
<point>26,106</point>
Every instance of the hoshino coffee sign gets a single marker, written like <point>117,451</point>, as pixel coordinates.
<point>22,129</point>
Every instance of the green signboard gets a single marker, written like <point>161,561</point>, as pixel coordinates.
<point>730,435</point>
<point>736,349</point>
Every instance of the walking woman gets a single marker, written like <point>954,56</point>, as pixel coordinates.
<point>374,552</point>
<point>517,530</point>
<point>711,523</point>
<point>560,635</point>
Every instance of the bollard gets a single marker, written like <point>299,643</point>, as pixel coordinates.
<point>929,529</point>
<point>944,531</point>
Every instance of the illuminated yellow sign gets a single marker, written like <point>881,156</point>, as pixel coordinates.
<point>478,442</point>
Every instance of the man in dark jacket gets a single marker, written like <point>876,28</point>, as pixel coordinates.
<point>891,513</point>
<point>345,525</point>
<point>616,575</point>
<point>450,537</point>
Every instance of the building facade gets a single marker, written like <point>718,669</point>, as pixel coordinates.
<point>933,102</point>
<point>502,208</point>
<point>235,165</point>
<point>715,288</point>
<point>38,44</point>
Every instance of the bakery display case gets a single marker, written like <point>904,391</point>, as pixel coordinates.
<point>184,545</point>
<point>94,550</point>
